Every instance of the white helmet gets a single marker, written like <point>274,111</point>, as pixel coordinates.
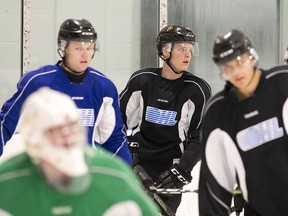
<point>51,130</point>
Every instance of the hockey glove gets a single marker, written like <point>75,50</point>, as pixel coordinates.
<point>175,177</point>
<point>133,146</point>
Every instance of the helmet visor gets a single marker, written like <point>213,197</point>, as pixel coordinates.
<point>240,62</point>
<point>194,50</point>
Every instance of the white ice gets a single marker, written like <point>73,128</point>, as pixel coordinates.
<point>189,204</point>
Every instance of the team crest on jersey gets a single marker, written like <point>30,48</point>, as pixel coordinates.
<point>259,134</point>
<point>160,116</point>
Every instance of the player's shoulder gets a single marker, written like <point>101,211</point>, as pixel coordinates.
<point>276,78</point>
<point>149,71</point>
<point>43,70</point>
<point>40,73</point>
<point>193,78</point>
<point>99,78</point>
<point>216,102</point>
<point>101,162</point>
<point>140,77</point>
<point>96,73</point>
<point>101,157</point>
<point>144,74</point>
<point>279,71</point>
<point>16,166</point>
<point>202,84</point>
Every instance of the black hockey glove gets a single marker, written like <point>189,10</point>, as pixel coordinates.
<point>133,146</point>
<point>175,177</point>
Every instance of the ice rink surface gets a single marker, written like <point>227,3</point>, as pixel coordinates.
<point>189,204</point>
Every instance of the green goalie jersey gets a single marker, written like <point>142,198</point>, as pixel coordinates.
<point>114,190</point>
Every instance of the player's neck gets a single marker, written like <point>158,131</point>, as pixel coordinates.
<point>69,70</point>
<point>249,90</point>
<point>168,73</point>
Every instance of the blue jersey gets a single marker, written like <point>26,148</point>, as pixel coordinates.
<point>96,98</point>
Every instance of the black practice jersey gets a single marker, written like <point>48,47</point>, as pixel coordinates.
<point>245,142</point>
<point>167,116</point>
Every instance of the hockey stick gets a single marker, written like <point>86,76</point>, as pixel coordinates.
<point>133,147</point>
<point>146,179</point>
<point>148,184</point>
<point>171,190</point>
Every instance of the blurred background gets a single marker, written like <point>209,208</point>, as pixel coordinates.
<point>127,31</point>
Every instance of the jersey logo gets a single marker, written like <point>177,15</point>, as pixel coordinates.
<point>77,98</point>
<point>259,134</point>
<point>161,117</point>
<point>251,114</point>
<point>61,210</point>
<point>179,176</point>
<point>162,100</point>
<point>87,117</point>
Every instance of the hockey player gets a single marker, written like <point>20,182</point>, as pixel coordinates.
<point>244,133</point>
<point>58,174</point>
<point>95,95</point>
<point>168,104</point>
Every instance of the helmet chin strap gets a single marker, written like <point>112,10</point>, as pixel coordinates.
<point>169,64</point>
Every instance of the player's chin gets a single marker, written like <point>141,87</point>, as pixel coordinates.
<point>184,68</point>
<point>82,67</point>
<point>184,65</point>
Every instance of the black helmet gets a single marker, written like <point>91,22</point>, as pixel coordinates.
<point>231,45</point>
<point>73,29</point>
<point>172,34</point>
